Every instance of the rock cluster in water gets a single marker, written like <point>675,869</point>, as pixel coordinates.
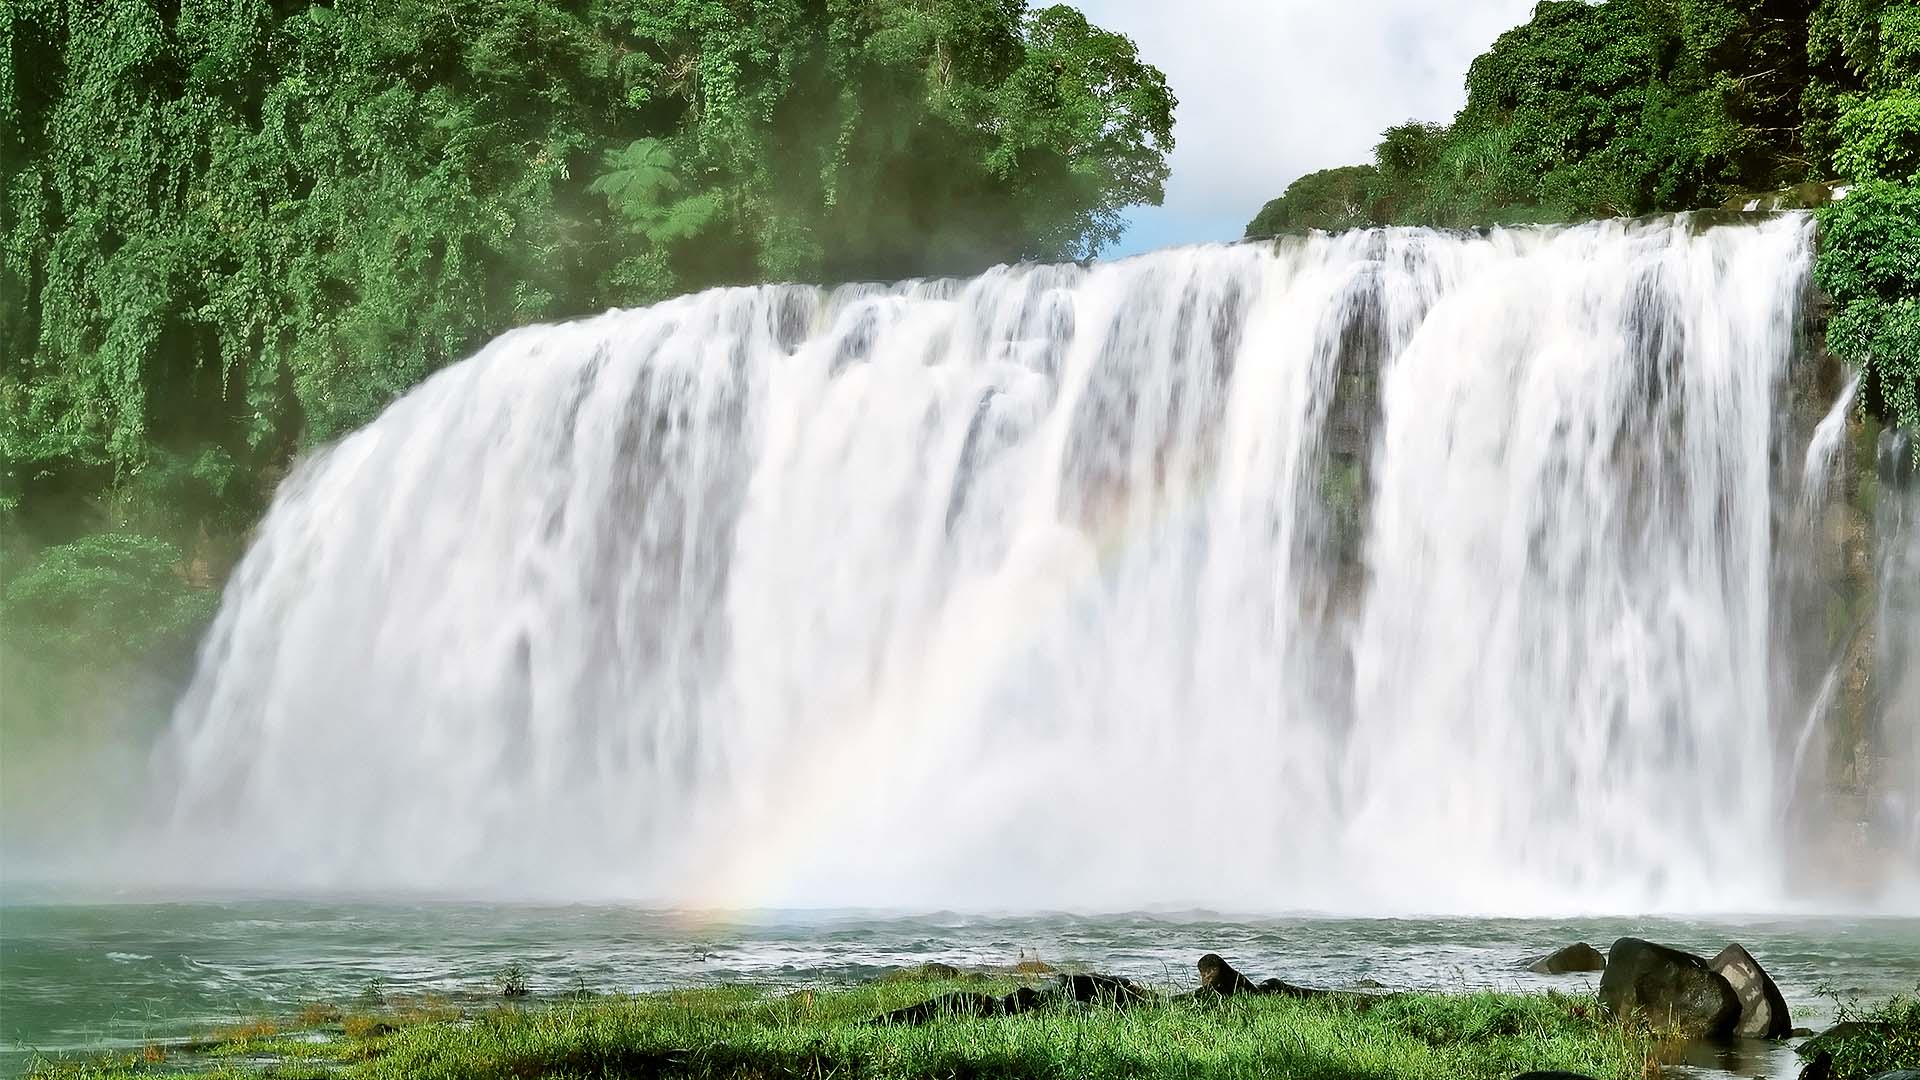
<point>1730,995</point>
<point>1669,988</point>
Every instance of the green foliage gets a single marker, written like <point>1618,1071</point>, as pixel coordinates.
<point>1628,107</point>
<point>1329,200</point>
<point>1866,106</point>
<point>1869,263</point>
<point>512,980</point>
<point>641,187</point>
<point>1879,138</point>
<point>110,597</point>
<point>230,229</point>
<point>252,223</point>
<point>1622,107</point>
<point>741,1032</point>
<point>1887,1038</point>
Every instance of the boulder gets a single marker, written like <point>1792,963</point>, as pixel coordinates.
<point>1669,988</point>
<point>1763,1011</point>
<point>1821,1068</point>
<point>1575,958</point>
<point>1845,1031</point>
<point>1549,1075</point>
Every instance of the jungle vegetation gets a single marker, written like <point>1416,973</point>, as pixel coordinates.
<point>1630,107</point>
<point>231,230</point>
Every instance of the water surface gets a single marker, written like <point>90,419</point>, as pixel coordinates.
<point>94,976</point>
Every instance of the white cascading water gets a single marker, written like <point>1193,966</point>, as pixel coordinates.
<point>1828,437</point>
<point>1061,586</point>
<point>1897,644</point>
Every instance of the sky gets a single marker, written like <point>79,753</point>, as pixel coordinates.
<point>1271,90</point>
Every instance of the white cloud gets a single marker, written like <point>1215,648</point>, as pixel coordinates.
<point>1273,89</point>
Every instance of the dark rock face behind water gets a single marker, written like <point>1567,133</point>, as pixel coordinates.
<point>1668,988</point>
<point>1763,1011</point>
<point>1575,958</point>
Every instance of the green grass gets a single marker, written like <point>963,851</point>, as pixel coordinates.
<point>742,1033</point>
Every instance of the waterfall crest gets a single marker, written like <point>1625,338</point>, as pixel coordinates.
<point>1392,571</point>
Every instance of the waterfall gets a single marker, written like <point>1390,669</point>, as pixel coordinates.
<point>1828,437</point>
<point>1897,646</point>
<point>1394,571</point>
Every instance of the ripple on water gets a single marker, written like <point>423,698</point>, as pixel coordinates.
<point>104,977</point>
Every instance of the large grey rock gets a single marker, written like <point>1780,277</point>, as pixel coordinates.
<point>1669,988</point>
<point>1763,1012</point>
<point>1577,957</point>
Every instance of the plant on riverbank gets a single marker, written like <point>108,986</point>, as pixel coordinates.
<point>1868,1041</point>
<point>739,1032</point>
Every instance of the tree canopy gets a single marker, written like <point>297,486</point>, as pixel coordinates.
<point>242,226</point>
<point>1629,107</point>
<point>232,229</point>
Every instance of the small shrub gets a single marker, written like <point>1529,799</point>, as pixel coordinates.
<point>318,1015</point>
<point>513,980</point>
<point>365,1027</point>
<point>1887,1039</point>
<point>251,1031</point>
<point>108,598</point>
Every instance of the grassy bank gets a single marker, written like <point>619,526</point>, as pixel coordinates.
<point>743,1032</point>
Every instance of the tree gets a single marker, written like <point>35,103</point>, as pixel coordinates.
<point>1329,200</point>
<point>232,229</point>
<point>247,225</point>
